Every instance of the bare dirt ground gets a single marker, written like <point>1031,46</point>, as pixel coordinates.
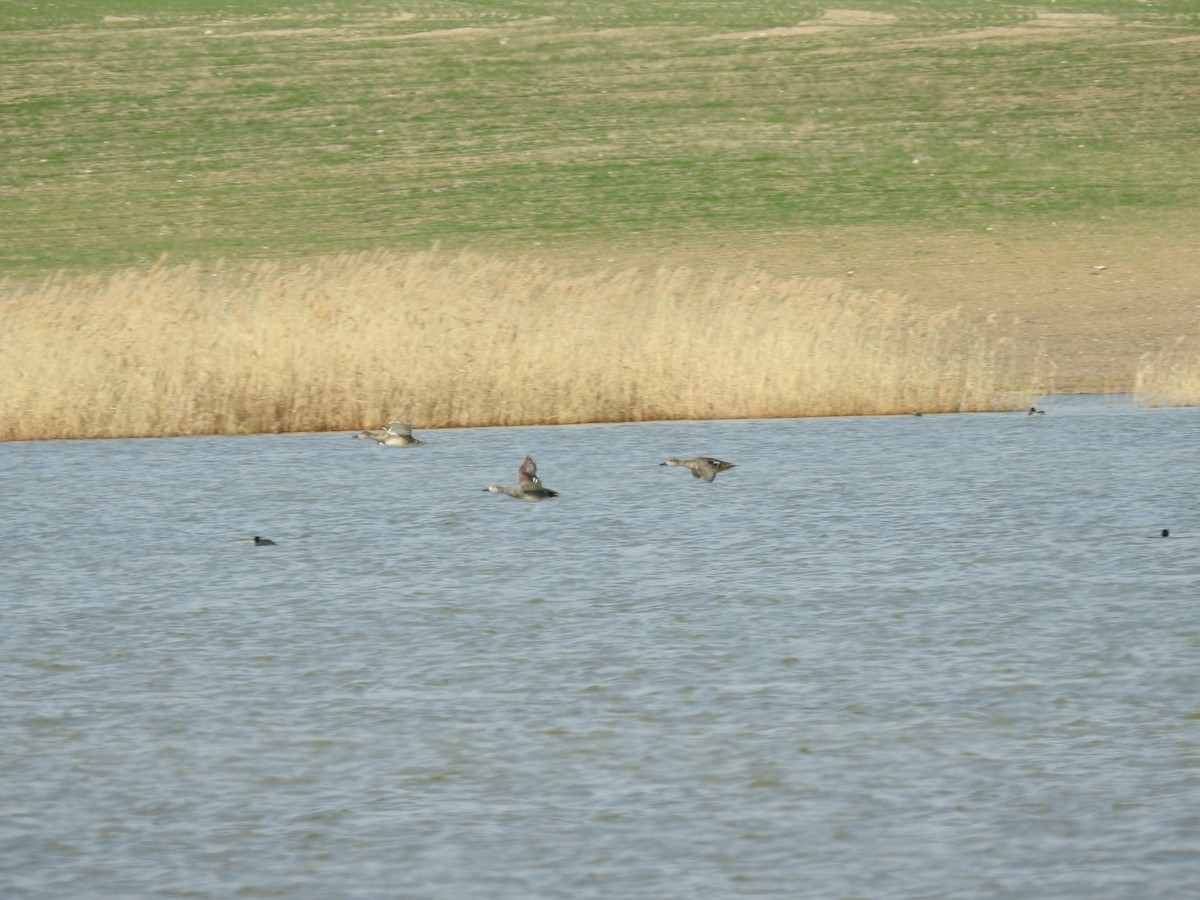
<point>1099,296</point>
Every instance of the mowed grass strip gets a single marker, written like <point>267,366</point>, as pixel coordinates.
<point>266,130</point>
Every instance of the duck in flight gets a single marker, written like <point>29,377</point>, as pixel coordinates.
<point>705,467</point>
<point>529,486</point>
<point>397,434</point>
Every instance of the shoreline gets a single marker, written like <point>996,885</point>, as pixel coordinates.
<point>1046,402</point>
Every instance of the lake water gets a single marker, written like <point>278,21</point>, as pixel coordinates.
<point>938,656</point>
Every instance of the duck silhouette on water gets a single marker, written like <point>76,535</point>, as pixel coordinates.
<point>263,542</point>
<point>705,467</point>
<point>397,434</point>
<point>1034,411</point>
<point>529,486</point>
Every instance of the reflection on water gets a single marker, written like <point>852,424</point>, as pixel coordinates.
<point>937,656</point>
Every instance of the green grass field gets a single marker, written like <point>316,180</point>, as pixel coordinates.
<point>203,129</point>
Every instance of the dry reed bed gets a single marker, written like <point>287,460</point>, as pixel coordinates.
<point>466,340</point>
<point>1172,376</point>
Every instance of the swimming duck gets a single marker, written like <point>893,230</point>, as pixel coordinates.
<point>529,486</point>
<point>263,542</point>
<point>397,434</point>
<point>1034,411</point>
<point>705,467</point>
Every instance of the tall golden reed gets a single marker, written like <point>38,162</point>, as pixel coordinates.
<point>1171,377</point>
<point>441,339</point>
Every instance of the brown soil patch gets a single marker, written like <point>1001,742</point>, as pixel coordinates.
<point>830,20</point>
<point>1098,295</point>
<point>1043,25</point>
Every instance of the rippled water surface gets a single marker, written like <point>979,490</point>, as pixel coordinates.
<point>939,656</point>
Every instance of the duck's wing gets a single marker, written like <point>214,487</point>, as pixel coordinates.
<point>527,474</point>
<point>707,467</point>
<point>401,429</point>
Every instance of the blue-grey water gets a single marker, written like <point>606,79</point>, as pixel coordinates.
<point>938,656</point>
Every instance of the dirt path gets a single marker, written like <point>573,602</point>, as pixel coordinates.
<point>1098,295</point>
